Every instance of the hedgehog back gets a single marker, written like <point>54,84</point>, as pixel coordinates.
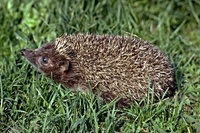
<point>118,65</point>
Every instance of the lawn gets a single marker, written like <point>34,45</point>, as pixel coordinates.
<point>31,102</point>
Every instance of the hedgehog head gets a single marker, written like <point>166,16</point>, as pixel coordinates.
<point>48,61</point>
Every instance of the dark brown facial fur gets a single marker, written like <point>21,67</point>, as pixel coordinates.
<point>48,61</point>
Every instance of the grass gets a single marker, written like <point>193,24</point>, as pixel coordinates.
<point>30,102</point>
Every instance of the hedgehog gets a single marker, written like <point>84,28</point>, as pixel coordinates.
<point>110,65</point>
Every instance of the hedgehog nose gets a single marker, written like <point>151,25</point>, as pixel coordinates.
<point>22,52</point>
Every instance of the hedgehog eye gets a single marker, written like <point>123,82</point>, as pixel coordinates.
<point>45,60</point>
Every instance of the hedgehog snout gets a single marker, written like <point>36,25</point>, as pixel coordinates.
<point>22,52</point>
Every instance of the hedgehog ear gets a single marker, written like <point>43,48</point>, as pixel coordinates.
<point>64,66</point>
